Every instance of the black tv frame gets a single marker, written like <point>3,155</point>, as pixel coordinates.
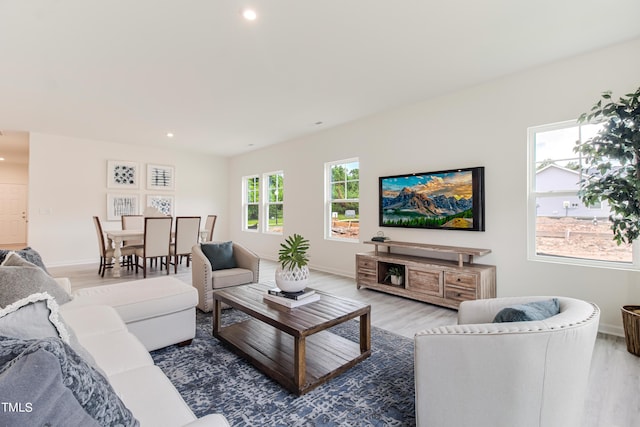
<point>477,189</point>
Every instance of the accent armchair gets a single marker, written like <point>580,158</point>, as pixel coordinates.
<point>206,279</point>
<point>485,374</point>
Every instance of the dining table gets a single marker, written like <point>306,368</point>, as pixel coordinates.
<point>116,237</point>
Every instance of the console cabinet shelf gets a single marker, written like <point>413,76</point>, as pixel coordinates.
<point>437,281</point>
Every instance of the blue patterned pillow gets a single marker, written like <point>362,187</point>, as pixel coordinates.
<point>220,255</point>
<point>538,310</point>
<point>92,391</point>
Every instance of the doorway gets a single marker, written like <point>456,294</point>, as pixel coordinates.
<point>14,188</point>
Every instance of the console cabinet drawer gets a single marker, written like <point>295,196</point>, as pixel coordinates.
<point>457,294</point>
<point>366,263</point>
<point>463,280</point>
<point>425,281</point>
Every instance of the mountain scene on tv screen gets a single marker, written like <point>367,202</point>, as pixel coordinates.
<point>434,200</point>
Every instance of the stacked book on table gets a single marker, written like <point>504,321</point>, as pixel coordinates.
<point>291,299</point>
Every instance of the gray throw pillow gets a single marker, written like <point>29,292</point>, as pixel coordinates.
<point>37,316</point>
<point>92,391</point>
<point>220,255</point>
<point>33,319</point>
<point>27,253</point>
<point>17,282</point>
<point>537,310</point>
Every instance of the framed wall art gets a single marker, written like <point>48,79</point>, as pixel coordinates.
<point>121,204</point>
<point>161,202</point>
<point>121,174</point>
<point>160,177</point>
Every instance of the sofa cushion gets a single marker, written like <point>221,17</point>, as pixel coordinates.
<point>92,391</point>
<point>92,319</point>
<point>21,280</point>
<point>28,254</point>
<point>220,255</point>
<point>107,350</point>
<point>537,310</point>
<point>151,397</point>
<point>231,277</point>
<point>140,299</point>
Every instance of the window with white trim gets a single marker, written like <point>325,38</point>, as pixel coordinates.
<point>561,228</point>
<point>251,197</point>
<point>274,202</point>
<point>342,200</point>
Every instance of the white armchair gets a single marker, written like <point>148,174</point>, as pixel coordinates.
<point>206,280</point>
<point>485,374</point>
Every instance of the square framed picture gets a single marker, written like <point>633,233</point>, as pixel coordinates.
<point>122,174</point>
<point>122,204</point>
<point>161,202</point>
<point>160,177</point>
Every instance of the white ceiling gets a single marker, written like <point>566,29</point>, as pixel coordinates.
<point>132,70</point>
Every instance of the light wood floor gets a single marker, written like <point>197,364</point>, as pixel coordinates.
<point>614,385</point>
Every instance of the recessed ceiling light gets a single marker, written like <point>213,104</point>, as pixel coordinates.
<point>249,14</point>
<point>169,135</point>
<point>1,159</point>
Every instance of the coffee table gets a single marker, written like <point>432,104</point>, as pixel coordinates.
<point>293,346</point>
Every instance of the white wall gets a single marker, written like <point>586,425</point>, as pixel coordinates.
<point>68,186</point>
<point>481,126</point>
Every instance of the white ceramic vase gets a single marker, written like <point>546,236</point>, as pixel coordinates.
<point>396,280</point>
<point>292,280</point>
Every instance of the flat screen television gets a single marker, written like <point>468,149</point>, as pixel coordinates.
<point>445,200</point>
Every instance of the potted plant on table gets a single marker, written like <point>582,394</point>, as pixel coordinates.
<point>292,274</point>
<point>612,174</point>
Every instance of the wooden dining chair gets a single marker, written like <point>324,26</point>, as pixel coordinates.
<point>187,235</point>
<point>157,240</point>
<point>106,253</point>
<point>209,225</point>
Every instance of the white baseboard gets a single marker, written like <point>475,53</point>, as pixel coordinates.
<point>611,330</point>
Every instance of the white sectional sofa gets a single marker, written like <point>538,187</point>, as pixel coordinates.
<point>126,363</point>
<point>83,359</point>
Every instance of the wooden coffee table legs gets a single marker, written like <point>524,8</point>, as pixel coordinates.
<point>300,362</point>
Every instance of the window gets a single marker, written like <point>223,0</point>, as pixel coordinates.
<point>561,227</point>
<point>251,203</point>
<point>342,199</point>
<point>274,206</point>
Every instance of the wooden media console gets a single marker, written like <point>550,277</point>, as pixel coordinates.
<point>437,281</point>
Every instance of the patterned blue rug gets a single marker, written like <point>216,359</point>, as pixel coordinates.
<point>376,392</point>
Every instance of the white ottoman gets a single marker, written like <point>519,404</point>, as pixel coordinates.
<point>158,311</point>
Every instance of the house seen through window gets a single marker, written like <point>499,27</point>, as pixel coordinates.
<point>561,226</point>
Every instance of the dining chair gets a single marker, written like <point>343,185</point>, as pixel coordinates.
<point>209,225</point>
<point>187,235</point>
<point>157,240</point>
<point>106,253</point>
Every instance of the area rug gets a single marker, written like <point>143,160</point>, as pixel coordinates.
<point>377,392</point>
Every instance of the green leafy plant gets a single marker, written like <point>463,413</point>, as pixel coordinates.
<point>293,252</point>
<point>612,160</point>
<point>394,270</point>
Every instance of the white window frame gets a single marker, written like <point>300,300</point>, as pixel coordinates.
<point>532,197</point>
<point>328,200</point>
<point>246,203</point>
<point>266,203</point>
